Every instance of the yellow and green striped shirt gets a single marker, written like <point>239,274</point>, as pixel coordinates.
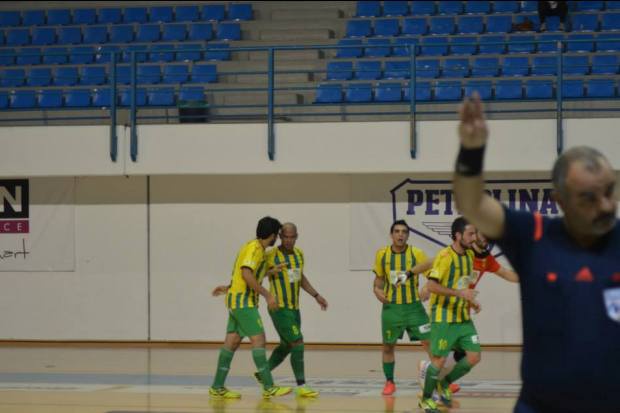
<point>240,295</point>
<point>454,271</point>
<point>389,265</point>
<point>284,285</point>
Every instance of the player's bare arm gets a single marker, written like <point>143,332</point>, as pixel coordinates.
<point>378,289</point>
<point>305,284</point>
<point>508,275</point>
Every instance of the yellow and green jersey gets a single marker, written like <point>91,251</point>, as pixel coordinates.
<point>389,265</point>
<point>240,295</point>
<point>454,271</point>
<point>284,285</point>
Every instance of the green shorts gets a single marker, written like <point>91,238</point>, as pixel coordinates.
<point>288,324</point>
<point>245,321</point>
<point>458,336</point>
<point>398,318</point>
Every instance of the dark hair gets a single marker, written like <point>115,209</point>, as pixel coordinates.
<point>590,157</point>
<point>458,227</point>
<point>266,227</point>
<point>399,222</point>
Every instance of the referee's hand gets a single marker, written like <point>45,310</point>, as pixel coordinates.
<point>473,131</point>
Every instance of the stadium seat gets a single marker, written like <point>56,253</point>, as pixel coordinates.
<point>382,48</point>
<point>216,51</point>
<point>104,53</point>
<point>149,74</point>
<point>125,99</point>
<point>508,89</point>
<point>499,24</point>
<point>200,31</point>
<point>544,66</point>
<point>186,13</point>
<point>506,6</point>
<point>123,75</point>
<point>7,57</point>
<point>478,7</point>
<point>402,44</point>
<point>448,90</point>
<point>464,45</point>
<point>40,76</point>
<point>49,98</point>
<point>605,64</point>
<point>553,24</point>
<point>204,73</point>
<point>121,33</point>
<point>427,68</point>
<point>442,25</point>
<point>2,38</point>
<point>148,33</point>
<point>572,88</point>
<point>328,93</point>
<point>485,67</point>
<point>174,33</point>
<point>368,9</point>
<point>55,56</point>
<point>523,43</point>
<point>601,88</point>
<point>529,6</point>
<point>10,18</point>
<point>141,51</point>
<point>134,15</point>
<point>349,52</point>
<point>470,25</point>
<point>109,16</point>
<point>66,76</point>
<point>81,54</point>
<point>84,16</point>
<point>535,21</point>
<point>399,69</point>
<point>455,68</point>
<point>23,99</point>
<point>388,92</point>
<point>584,22</point>
<point>422,8</point>
<point>450,7</point>
<point>95,34</point>
<point>580,46</point>
<point>415,26</point>
<point>240,11</point>
<point>161,14</point>
<point>73,35</point>
<point>604,44</point>
<point>214,12</point>
<point>43,36</point>
<point>18,37</point>
<point>28,56</point>
<point>58,17</point>
<point>492,44</point>
<point>610,21</point>
<point>483,87</point>
<point>228,31</point>
<point>92,75</point>
<point>339,70</point>
<point>192,94</point>
<point>359,28</point>
<point>422,92</point>
<point>539,89</point>
<point>359,93</point>
<point>175,74</point>
<point>160,97</point>
<point>549,47</point>
<point>33,18</point>
<point>590,5</point>
<point>162,53</point>
<point>4,100</point>
<point>387,27</point>
<point>395,8</point>
<point>77,98</point>
<point>102,98</point>
<point>440,47</point>
<point>575,65</point>
<point>368,70</point>
<point>613,5</point>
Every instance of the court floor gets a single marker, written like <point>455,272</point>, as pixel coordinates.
<point>175,380</point>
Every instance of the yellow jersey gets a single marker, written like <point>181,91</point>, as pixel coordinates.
<point>285,285</point>
<point>389,265</point>
<point>240,295</point>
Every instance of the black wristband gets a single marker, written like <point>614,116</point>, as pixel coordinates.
<point>469,161</point>
<point>316,295</point>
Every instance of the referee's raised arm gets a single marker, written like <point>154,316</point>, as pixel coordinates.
<point>485,212</point>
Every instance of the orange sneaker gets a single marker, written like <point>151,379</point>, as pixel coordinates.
<point>454,388</point>
<point>389,388</point>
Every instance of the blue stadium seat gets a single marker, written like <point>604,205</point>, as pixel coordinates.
<point>81,54</point>
<point>186,13</point>
<point>349,52</point>
<point>508,89</point>
<point>584,22</point>
<point>575,65</point>
<point>10,18</point>
<point>160,97</point>
<point>40,76</point>
<point>395,8</point>
<point>544,66</point>
<point>174,33</point>
<point>572,88</point>
<point>603,44</point>
<point>339,70</point>
<point>368,9</point>
<point>191,52</point>
<point>516,45</point>
<point>450,7</point>
<point>58,17</point>
<point>553,23</point>
<point>33,17</point>
<point>66,76</point>
<point>126,97</point>
<point>141,51</point>
<point>161,14</point>
<point>228,31</point>
<point>613,5</point>
<point>422,91</point>
<point>448,90</point>
<point>358,93</point>
<point>148,33</point>
<point>422,8</point>
<point>606,64</point>
<point>77,98</point>
<point>388,92</point>
<point>95,34</point>
<point>18,37</point>
<point>359,28</point>
<point>506,6</point>
<point>28,56</point>
<point>104,53</point>
<point>102,98</point>
<point>134,15</point>
<point>7,57</point>
<point>470,25</point>
<point>55,56</point>
<point>213,53</point>
<point>442,25</point>
<point>123,75</point>
<point>499,24</point>
<point>4,100</point>
<point>23,99</point>
<point>399,69</point>
<point>387,27</point>
<point>43,36</point>
<point>84,16</point>
<point>204,73</point>
<point>368,70</point>
<point>440,47</point>
<point>427,68</point>
<point>328,93</point>
<point>47,98</point>
<point>92,75</point>
<point>483,87</point>
<point>2,38</point>
<point>200,31</point>
<point>610,21</point>
<point>533,18</point>
<point>73,35</point>
<point>601,88</point>
<point>240,11</point>
<point>384,50</point>
<point>485,67</point>
<point>580,46</point>
<point>162,53</point>
<point>214,12</point>
<point>590,5</point>
<point>549,47</point>
<point>492,44</point>
<point>403,46</point>
<point>464,45</point>
<point>455,68</point>
<point>539,89</point>
<point>415,26</point>
<point>121,33</point>
<point>109,16</point>
<point>477,7</point>
<point>529,6</point>
<point>192,94</point>
<point>176,74</point>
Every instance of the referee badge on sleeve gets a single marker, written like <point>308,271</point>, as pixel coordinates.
<point>612,303</point>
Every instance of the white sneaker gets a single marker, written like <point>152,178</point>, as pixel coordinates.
<point>422,367</point>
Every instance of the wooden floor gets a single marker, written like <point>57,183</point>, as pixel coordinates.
<point>176,380</point>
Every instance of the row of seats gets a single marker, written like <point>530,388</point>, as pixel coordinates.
<point>455,90</point>
<point>163,14</point>
<point>469,45</point>
<point>84,98</point>
<point>102,54</point>
<point>146,33</point>
<point>430,8</point>
<point>420,26</point>
<point>98,75</point>
<point>478,67</point>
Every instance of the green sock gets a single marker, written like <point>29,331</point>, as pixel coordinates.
<point>278,355</point>
<point>223,365</point>
<point>388,370</point>
<point>260,359</point>
<point>460,369</point>
<point>297,362</point>
<point>432,374</point>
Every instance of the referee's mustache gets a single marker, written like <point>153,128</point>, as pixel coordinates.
<point>605,218</point>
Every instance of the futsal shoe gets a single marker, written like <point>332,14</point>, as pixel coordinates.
<point>445,394</point>
<point>223,393</point>
<point>276,391</point>
<point>428,405</point>
<point>305,391</point>
<point>454,388</point>
<point>389,388</point>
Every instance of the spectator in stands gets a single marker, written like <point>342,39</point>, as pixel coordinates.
<point>552,8</point>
